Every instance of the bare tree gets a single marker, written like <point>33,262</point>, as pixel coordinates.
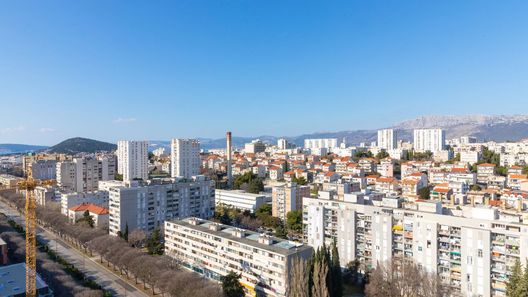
<point>298,282</point>
<point>404,278</point>
<point>137,237</point>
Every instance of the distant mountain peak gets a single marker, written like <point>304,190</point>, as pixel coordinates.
<point>446,121</point>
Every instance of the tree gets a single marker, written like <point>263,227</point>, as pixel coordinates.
<point>118,177</point>
<point>514,285</point>
<point>298,283</point>
<point>363,154</point>
<point>294,220</point>
<point>382,155</point>
<point>404,278</point>
<point>125,234</point>
<point>475,187</point>
<point>136,238</point>
<point>231,285</point>
<point>281,232</point>
<point>350,276</point>
<point>263,211</point>
<point>255,186</point>
<point>320,275</point>
<point>336,273</point>
<point>154,245</point>
<point>300,181</point>
<point>424,193</point>
<point>88,219</point>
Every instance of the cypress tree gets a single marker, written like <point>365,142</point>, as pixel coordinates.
<point>337,278</point>
<point>514,283</point>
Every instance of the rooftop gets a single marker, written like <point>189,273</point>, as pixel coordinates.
<point>13,280</point>
<point>278,245</point>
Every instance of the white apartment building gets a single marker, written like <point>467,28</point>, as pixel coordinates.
<point>287,197</point>
<point>213,250</point>
<point>387,139</point>
<point>240,199</point>
<point>44,169</point>
<point>132,159</point>
<point>147,206</point>
<point>472,251</point>
<point>69,200</point>
<point>255,146</point>
<point>43,195</point>
<point>314,144</point>
<point>282,144</point>
<point>470,157</point>
<point>429,140</point>
<point>185,158</point>
<point>84,174</point>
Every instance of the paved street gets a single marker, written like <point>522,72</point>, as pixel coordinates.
<point>89,266</point>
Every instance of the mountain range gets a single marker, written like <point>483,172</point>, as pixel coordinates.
<point>483,127</point>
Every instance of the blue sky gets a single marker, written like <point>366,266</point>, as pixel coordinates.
<point>114,70</point>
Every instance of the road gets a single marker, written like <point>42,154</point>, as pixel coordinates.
<point>89,266</point>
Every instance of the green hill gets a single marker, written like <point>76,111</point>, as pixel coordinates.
<point>81,145</point>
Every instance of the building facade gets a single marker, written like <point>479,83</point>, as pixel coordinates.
<point>432,140</point>
<point>327,143</point>
<point>185,158</point>
<point>146,207</point>
<point>132,159</point>
<point>214,250</point>
<point>472,253</point>
<point>240,199</point>
<point>84,174</point>
<point>387,139</point>
<point>288,197</point>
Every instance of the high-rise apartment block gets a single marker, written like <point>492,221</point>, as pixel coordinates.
<point>288,197</point>
<point>472,252</point>
<point>314,144</point>
<point>146,207</point>
<point>387,139</point>
<point>44,169</point>
<point>84,174</point>
<point>214,250</point>
<point>432,140</point>
<point>185,157</point>
<point>132,159</point>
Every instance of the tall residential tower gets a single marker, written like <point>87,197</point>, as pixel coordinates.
<point>185,157</point>
<point>132,159</point>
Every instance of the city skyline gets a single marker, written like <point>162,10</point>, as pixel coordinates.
<point>198,69</point>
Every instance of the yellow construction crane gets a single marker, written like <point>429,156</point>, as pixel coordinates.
<point>31,234</point>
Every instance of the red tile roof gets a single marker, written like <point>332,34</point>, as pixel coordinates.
<point>92,208</point>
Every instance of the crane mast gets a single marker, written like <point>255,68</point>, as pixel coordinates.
<point>31,235</point>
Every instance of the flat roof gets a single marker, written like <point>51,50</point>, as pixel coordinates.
<point>278,245</point>
<point>13,280</point>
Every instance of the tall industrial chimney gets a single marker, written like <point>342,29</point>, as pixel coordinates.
<point>228,154</point>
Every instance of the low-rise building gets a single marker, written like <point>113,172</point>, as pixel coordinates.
<point>13,282</point>
<point>240,199</point>
<point>9,181</point>
<point>69,200</point>
<point>213,250</point>
<point>99,214</point>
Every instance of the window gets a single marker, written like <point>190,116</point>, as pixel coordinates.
<point>469,260</point>
<point>479,253</point>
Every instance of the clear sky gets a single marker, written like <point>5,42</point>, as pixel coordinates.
<point>156,70</point>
